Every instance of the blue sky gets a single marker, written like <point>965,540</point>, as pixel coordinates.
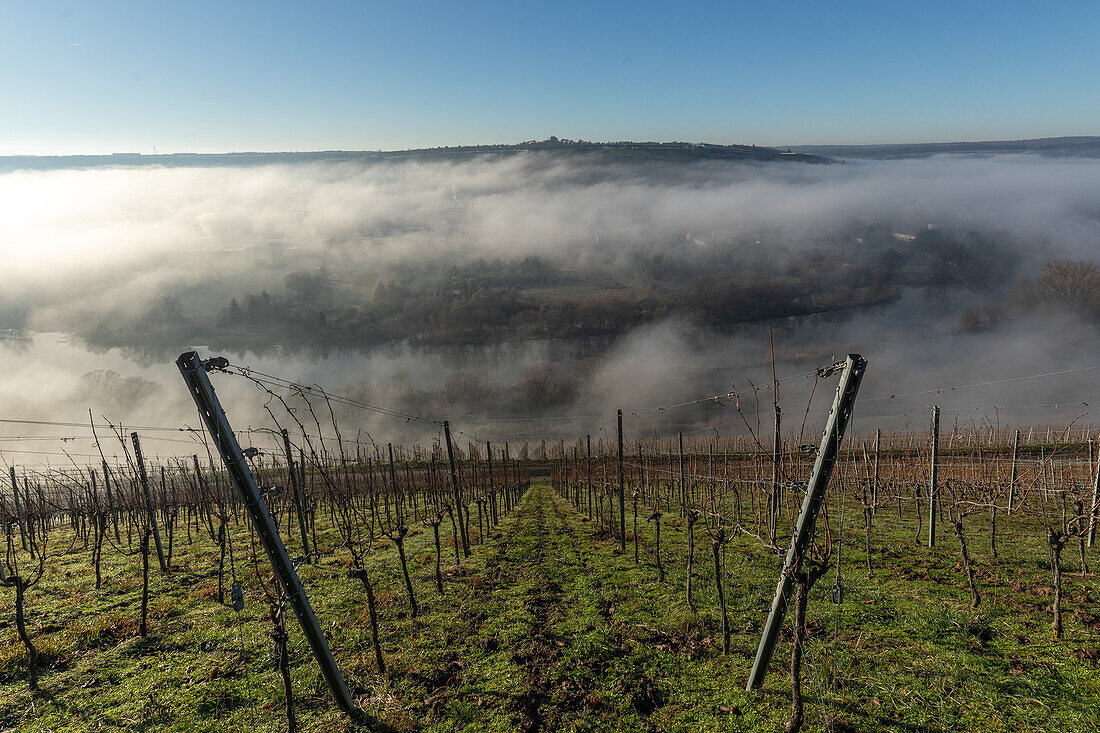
<point>96,77</point>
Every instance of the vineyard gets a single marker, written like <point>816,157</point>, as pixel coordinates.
<point>313,577</point>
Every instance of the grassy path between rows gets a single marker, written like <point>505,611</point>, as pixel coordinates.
<point>561,632</point>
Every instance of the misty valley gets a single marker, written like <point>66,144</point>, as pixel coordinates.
<point>508,285</point>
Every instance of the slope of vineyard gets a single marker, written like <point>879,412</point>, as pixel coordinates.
<point>549,626</point>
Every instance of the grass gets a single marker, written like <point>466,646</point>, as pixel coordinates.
<point>549,626</point>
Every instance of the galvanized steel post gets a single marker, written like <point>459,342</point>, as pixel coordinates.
<point>198,384</point>
<point>827,456</point>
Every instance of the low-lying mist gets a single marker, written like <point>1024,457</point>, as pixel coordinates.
<point>531,296</point>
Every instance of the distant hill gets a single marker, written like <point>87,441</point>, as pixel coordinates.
<point>1082,146</point>
<point>609,151</point>
<point>671,152</point>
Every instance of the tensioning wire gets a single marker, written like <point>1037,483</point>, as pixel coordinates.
<point>318,391</point>
<point>109,425</point>
<point>952,388</point>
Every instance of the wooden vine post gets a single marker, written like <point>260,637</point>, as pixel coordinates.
<point>1095,505</point>
<point>622,490</point>
<point>933,479</point>
<point>148,500</point>
<point>457,490</point>
<point>296,490</point>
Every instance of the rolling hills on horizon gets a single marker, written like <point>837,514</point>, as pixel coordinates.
<point>616,152</point>
<point>611,152</point>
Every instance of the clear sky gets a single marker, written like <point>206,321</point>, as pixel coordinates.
<point>132,75</point>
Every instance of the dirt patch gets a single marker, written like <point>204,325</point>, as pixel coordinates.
<point>647,697</point>
<point>445,676</point>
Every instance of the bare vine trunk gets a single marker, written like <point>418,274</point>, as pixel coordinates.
<point>1056,542</point>
<point>98,551</point>
<point>657,546</point>
<point>144,628</point>
<point>868,511</point>
<point>400,540</point>
<point>975,599</point>
<point>438,553</point>
<point>21,628</point>
<point>693,516</point>
<point>282,662</point>
<point>361,575</point>
<point>802,589</point>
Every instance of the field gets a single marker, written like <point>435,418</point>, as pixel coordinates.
<point>549,624</point>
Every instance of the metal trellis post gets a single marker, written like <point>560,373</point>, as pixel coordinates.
<point>198,383</point>
<point>827,456</point>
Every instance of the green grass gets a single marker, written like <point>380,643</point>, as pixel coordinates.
<point>548,621</point>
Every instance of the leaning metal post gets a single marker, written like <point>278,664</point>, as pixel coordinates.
<point>194,374</point>
<point>827,455</point>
